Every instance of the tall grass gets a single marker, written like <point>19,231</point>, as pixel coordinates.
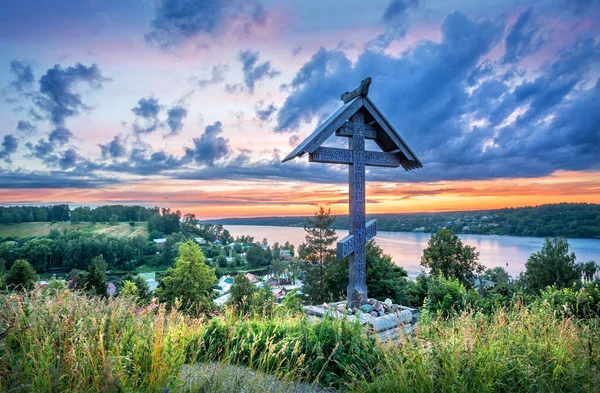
<point>520,349</point>
<point>72,343</point>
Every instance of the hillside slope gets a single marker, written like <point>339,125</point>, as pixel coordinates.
<point>30,229</point>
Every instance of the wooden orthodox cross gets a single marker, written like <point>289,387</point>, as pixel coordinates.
<point>358,119</point>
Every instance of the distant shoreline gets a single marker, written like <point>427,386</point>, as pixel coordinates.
<point>425,233</point>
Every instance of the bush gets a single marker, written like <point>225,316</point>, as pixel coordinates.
<point>583,302</point>
<point>448,296</point>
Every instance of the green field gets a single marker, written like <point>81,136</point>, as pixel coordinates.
<point>29,229</point>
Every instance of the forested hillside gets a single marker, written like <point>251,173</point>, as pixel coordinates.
<point>563,219</point>
<point>60,213</point>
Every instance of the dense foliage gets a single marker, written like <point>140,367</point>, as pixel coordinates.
<point>188,285</point>
<point>552,265</point>
<point>67,342</point>
<point>109,213</point>
<point>562,219</point>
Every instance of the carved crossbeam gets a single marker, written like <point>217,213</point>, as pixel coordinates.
<point>332,155</point>
<point>347,130</point>
<point>345,246</point>
<point>376,158</point>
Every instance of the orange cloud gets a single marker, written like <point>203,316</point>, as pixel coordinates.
<point>212,199</point>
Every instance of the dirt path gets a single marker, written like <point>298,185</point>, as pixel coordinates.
<point>223,378</point>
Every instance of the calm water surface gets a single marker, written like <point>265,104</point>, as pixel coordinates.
<point>406,248</point>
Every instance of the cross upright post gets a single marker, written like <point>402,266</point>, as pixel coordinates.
<point>358,119</point>
<point>357,284</point>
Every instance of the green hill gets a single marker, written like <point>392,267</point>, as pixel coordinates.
<point>562,219</point>
<point>31,229</point>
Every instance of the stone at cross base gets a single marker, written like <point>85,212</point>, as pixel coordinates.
<point>358,119</point>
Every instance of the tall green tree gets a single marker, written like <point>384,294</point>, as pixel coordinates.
<point>318,252</point>
<point>241,293</point>
<point>447,256</point>
<point>552,265</point>
<point>21,275</point>
<point>190,280</point>
<point>96,276</point>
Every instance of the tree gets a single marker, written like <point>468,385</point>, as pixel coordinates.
<point>498,274</point>
<point>589,270</point>
<point>552,265</point>
<point>446,255</point>
<point>39,252</point>
<point>318,253</point>
<point>129,290</point>
<point>190,280</point>
<point>241,293</point>
<point>143,289</point>
<point>96,277</point>
<point>21,275</point>
<point>222,261</point>
<point>263,301</point>
<point>278,267</point>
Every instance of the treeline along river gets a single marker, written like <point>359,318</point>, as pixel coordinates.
<point>406,248</point>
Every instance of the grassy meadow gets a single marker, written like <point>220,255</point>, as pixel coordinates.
<point>32,229</point>
<point>69,342</point>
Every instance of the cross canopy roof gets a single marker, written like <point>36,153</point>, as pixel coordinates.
<point>377,126</point>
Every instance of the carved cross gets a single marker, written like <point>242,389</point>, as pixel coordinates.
<point>349,121</point>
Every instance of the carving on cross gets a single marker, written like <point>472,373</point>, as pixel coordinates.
<point>358,119</point>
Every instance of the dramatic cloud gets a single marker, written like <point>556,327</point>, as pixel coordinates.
<point>9,146</point>
<point>148,110</point>
<point>217,76</point>
<point>175,117</point>
<point>264,112</point>
<point>23,75</point>
<point>60,136</point>
<point>113,149</point>
<point>523,39</point>
<point>508,126</point>
<point>178,20</point>
<point>254,72</point>
<point>57,97</point>
<point>68,159</point>
<point>395,22</point>
<point>25,126</point>
<point>210,147</point>
<point>40,150</point>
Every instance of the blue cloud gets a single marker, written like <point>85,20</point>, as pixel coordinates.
<point>60,136</point>
<point>523,39</point>
<point>147,109</point>
<point>68,159</point>
<point>114,149</point>
<point>264,112</point>
<point>23,75</point>
<point>175,117</point>
<point>458,111</point>
<point>217,75</point>
<point>177,20</point>
<point>254,72</point>
<point>25,126</point>
<point>9,146</point>
<point>57,97</point>
<point>210,147</point>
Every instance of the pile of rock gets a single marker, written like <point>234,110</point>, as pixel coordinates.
<point>385,319</point>
<point>373,307</point>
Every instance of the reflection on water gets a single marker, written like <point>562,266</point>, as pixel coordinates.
<point>406,248</point>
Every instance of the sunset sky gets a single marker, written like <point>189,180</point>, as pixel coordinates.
<point>192,104</point>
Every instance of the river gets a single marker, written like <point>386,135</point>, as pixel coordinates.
<point>406,248</point>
